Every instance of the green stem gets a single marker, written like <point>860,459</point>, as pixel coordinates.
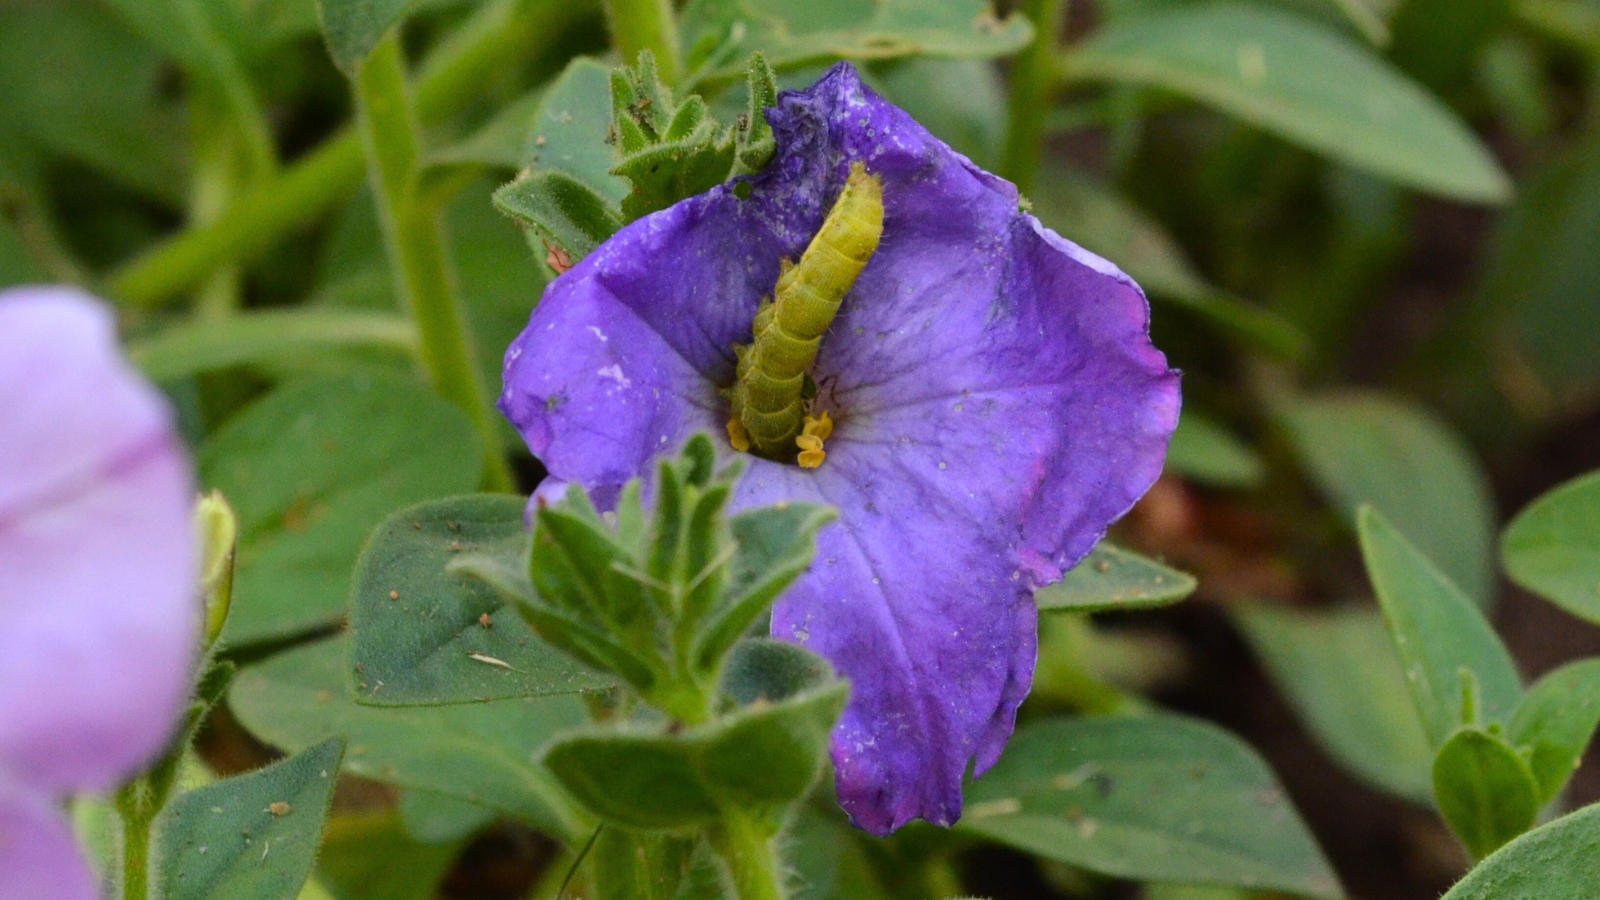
<point>1033,84</point>
<point>418,255</point>
<point>647,25</point>
<point>137,803</point>
<point>746,847</point>
<point>135,859</point>
<point>502,33</point>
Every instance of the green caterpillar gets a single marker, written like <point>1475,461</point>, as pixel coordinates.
<point>769,398</point>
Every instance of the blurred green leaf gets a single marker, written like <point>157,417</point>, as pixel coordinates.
<point>476,752</point>
<point>501,142</point>
<point>1366,16</point>
<point>1111,578</point>
<point>310,470</point>
<point>1110,226</point>
<point>1555,722</point>
<point>16,265</point>
<point>1574,22</point>
<point>78,83</point>
<point>201,345</point>
<point>1438,42</point>
<point>1373,448</point>
<point>1159,798</point>
<point>1339,671</point>
<point>418,632</point>
<point>1204,451</point>
<point>719,34</point>
<point>1445,645</point>
<point>1538,297</point>
<point>1559,860</point>
<point>1303,81</point>
<point>827,858</point>
<point>435,818</point>
<point>353,27</point>
<point>1552,547</point>
<point>250,837</point>
<point>1484,790</point>
<point>368,856</point>
<point>196,34</point>
<point>500,283</point>
<point>962,101</point>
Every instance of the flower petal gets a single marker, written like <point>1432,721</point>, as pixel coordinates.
<point>39,858</point>
<point>998,405</point>
<point>98,599</point>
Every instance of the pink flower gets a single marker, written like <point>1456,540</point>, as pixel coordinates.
<point>98,615</point>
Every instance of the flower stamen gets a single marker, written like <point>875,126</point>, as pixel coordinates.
<point>815,430</point>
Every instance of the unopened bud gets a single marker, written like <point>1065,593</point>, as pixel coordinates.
<point>218,528</point>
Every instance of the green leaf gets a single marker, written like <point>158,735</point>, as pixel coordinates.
<point>1439,635</point>
<point>642,865</point>
<point>417,631</point>
<point>369,856</point>
<point>1559,860</point>
<point>76,82</point>
<point>1339,672</point>
<point>250,837</point>
<point>1159,798</point>
<point>1573,22</point>
<point>561,210</point>
<point>1552,547</point>
<point>479,752</point>
<point>1440,42</point>
<point>792,35</point>
<point>1484,790</point>
<point>1372,448</point>
<point>1537,297</point>
<point>758,758</point>
<point>570,131</point>
<point>310,469</point>
<point>962,101</point>
<point>256,335</point>
<point>775,546</point>
<point>1206,452</point>
<point>353,27</point>
<point>828,859</point>
<point>1303,81</point>
<point>766,670</point>
<point>501,142</point>
<point>1555,722</point>
<point>1111,578</point>
<point>435,818</point>
<point>1105,223</point>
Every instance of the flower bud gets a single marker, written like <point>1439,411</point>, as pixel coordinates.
<point>218,529</point>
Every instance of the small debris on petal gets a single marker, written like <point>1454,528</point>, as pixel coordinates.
<point>280,808</point>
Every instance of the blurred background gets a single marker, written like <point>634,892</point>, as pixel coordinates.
<point>1370,231</point>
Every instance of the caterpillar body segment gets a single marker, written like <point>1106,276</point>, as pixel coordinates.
<point>769,398</point>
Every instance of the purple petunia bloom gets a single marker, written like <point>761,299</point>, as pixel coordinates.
<point>997,404</point>
<point>98,616</point>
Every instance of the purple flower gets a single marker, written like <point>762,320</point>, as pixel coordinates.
<point>997,405</point>
<point>98,616</point>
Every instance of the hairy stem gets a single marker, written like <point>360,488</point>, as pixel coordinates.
<point>418,255</point>
<point>647,25</point>
<point>1033,85</point>
<point>747,849</point>
<point>501,33</point>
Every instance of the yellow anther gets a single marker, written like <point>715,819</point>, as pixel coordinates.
<point>737,436</point>
<point>815,430</point>
<point>820,427</point>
